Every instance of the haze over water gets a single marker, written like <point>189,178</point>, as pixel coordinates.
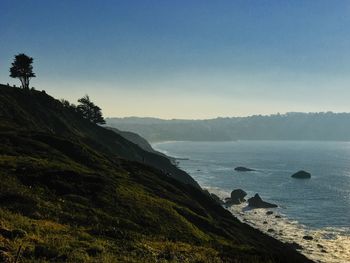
<point>319,207</point>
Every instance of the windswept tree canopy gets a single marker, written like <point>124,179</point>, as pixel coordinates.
<point>22,68</point>
<point>90,111</point>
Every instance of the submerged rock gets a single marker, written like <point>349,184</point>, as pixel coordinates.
<point>302,175</point>
<point>243,169</point>
<point>269,213</point>
<point>257,202</point>
<point>308,237</point>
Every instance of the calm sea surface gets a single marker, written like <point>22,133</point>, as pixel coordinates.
<point>320,205</point>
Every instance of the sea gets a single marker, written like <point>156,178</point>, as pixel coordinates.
<point>318,207</point>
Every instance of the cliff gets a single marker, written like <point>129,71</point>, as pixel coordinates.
<point>72,191</point>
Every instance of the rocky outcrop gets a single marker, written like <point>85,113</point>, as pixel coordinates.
<point>216,198</point>
<point>237,197</point>
<point>238,194</point>
<point>243,169</point>
<point>257,202</point>
<point>302,175</point>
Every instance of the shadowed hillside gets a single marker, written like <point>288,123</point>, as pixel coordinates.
<point>36,113</point>
<point>72,191</point>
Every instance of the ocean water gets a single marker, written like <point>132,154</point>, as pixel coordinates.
<point>319,207</point>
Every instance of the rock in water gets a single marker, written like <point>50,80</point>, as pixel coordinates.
<point>308,237</point>
<point>302,175</point>
<point>238,194</point>
<point>257,202</point>
<point>237,197</point>
<point>243,169</point>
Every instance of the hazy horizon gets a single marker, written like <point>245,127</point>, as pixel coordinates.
<point>223,117</point>
<point>185,59</point>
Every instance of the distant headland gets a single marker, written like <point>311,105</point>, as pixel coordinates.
<point>321,126</point>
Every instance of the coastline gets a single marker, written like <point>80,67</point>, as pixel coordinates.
<point>328,245</point>
<point>322,248</point>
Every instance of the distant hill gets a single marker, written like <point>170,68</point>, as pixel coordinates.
<point>291,126</point>
<point>72,191</point>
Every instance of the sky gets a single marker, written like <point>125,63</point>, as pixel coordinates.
<point>189,59</point>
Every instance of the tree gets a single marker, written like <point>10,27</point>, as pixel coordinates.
<point>22,68</point>
<point>90,111</point>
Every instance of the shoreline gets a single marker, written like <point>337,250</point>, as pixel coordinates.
<point>328,244</point>
<point>250,140</point>
<point>323,248</point>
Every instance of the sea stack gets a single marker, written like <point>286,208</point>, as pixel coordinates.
<point>302,175</point>
<point>237,197</point>
<point>243,169</point>
<point>257,202</point>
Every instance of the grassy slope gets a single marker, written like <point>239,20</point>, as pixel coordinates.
<point>38,112</point>
<point>74,192</point>
<point>140,141</point>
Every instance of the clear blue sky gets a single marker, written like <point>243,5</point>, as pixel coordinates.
<point>185,59</point>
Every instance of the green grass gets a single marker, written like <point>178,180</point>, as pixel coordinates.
<point>74,192</point>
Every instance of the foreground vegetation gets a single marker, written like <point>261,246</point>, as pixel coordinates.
<point>72,191</point>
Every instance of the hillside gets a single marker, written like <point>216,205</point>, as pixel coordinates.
<point>135,138</point>
<point>325,126</point>
<point>72,191</point>
<point>139,141</point>
<point>40,114</point>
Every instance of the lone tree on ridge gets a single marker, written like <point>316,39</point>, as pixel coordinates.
<point>90,111</point>
<point>22,68</point>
